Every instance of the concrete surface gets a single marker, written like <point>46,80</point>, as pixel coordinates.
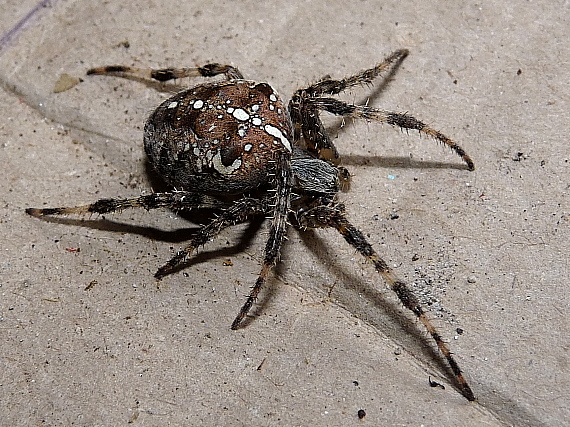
<point>488,250</point>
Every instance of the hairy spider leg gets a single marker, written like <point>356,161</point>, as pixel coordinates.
<point>278,228</point>
<point>333,216</point>
<point>332,87</point>
<point>238,212</point>
<point>178,200</point>
<point>305,115</point>
<point>401,120</point>
<point>165,74</point>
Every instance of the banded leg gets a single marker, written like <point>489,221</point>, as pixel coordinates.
<point>401,120</point>
<point>276,232</point>
<point>333,87</point>
<point>178,200</point>
<point>238,212</point>
<point>333,216</point>
<point>165,74</point>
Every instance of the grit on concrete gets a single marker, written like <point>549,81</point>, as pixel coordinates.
<point>88,338</point>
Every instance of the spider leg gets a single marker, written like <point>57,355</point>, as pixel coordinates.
<point>238,212</point>
<point>402,120</point>
<point>276,233</point>
<point>165,74</point>
<point>178,200</point>
<point>333,216</point>
<point>333,87</point>
<point>317,140</point>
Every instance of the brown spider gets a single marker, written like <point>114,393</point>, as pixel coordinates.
<point>233,146</point>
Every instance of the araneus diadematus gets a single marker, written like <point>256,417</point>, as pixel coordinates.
<point>234,147</point>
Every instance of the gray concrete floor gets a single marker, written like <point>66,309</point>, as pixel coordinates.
<point>491,245</point>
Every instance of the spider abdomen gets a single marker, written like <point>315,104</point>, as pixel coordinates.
<point>218,138</point>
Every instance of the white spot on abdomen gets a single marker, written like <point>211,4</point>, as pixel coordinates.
<point>240,114</point>
<point>276,132</point>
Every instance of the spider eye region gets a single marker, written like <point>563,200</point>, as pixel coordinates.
<point>219,138</point>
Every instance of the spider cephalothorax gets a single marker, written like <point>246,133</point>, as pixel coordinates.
<point>234,147</point>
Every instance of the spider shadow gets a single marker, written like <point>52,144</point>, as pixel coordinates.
<point>391,313</point>
<point>398,163</point>
<point>105,224</point>
<point>178,235</point>
<point>244,242</point>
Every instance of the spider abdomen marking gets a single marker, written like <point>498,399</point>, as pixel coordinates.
<point>218,138</point>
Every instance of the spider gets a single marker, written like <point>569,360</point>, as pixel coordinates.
<point>233,146</point>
